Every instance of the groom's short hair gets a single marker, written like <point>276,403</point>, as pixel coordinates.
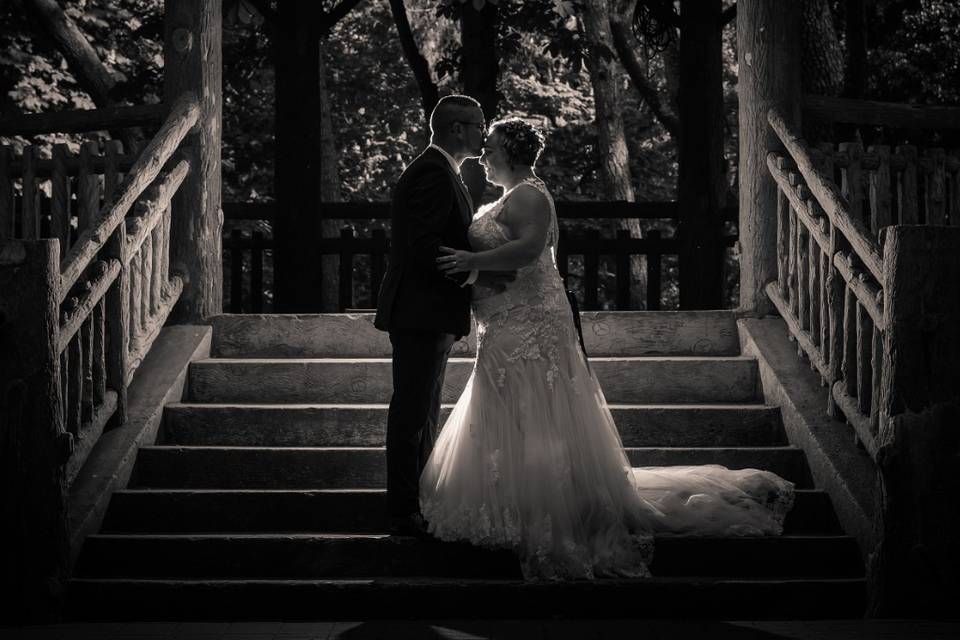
<point>448,109</point>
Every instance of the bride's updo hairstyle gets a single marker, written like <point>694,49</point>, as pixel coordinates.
<point>522,142</point>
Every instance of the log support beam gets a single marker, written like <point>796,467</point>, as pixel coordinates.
<point>768,51</point>
<point>193,63</point>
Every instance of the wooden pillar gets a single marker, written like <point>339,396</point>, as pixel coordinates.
<point>33,444</point>
<point>702,180</point>
<point>768,53</point>
<point>297,264</point>
<point>192,54</point>
<point>916,571</point>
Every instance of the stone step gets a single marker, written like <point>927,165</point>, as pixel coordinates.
<point>605,333</point>
<point>176,467</point>
<point>323,511</point>
<point>432,598</point>
<point>351,381</point>
<point>325,555</point>
<point>318,425</point>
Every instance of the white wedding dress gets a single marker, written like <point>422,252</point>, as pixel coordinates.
<point>530,458</point>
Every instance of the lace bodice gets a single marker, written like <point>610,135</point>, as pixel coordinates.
<point>534,307</point>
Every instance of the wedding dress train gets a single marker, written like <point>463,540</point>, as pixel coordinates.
<point>530,458</point>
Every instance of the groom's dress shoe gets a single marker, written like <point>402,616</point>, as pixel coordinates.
<point>409,525</point>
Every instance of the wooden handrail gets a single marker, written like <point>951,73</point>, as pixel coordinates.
<point>81,120</point>
<point>831,200</point>
<point>183,116</point>
<point>98,289</point>
<point>155,205</point>
<point>889,114</point>
<point>801,206</point>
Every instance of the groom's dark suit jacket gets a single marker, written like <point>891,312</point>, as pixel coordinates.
<point>430,207</point>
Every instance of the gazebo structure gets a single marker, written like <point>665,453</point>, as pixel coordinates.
<point>856,250</point>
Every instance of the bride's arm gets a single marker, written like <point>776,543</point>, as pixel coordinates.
<point>527,217</point>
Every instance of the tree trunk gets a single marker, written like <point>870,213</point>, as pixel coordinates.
<point>702,180</point>
<point>768,56</point>
<point>329,192</point>
<point>822,60</point>
<point>429,94</point>
<point>478,74</point>
<point>626,47</point>
<point>297,265</point>
<point>82,59</point>
<point>192,54</point>
<point>612,142</point>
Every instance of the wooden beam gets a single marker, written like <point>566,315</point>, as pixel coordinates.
<point>768,55</point>
<point>192,53</point>
<point>81,120</point>
<point>885,114</point>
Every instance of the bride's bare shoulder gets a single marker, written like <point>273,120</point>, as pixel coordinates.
<point>527,201</point>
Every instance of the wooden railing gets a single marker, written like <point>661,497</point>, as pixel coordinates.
<point>109,214</point>
<point>836,277</point>
<point>85,285</point>
<point>249,251</point>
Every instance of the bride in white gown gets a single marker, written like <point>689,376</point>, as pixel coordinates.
<point>530,458</point>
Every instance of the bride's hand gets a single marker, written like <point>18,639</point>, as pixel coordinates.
<point>457,261</point>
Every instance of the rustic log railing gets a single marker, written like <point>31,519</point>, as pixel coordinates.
<point>85,285</point>
<point>836,275</point>
<point>253,248</point>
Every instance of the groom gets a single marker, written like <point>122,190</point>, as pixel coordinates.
<point>424,311</point>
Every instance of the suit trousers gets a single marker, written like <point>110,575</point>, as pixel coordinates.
<point>419,363</point>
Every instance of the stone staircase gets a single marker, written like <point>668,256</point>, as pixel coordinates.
<point>263,497</point>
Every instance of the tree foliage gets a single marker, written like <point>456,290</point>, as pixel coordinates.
<point>913,56</point>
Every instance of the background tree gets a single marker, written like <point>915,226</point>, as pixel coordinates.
<point>823,61</point>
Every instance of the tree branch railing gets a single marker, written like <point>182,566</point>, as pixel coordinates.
<point>247,252</point>
<point>835,279</point>
<point>74,331</point>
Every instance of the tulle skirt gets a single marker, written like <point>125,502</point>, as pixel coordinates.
<point>530,460</point>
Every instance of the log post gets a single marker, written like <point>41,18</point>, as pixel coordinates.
<point>192,63</point>
<point>768,51</point>
<point>916,570</point>
<point>298,154</point>
<point>33,444</point>
<point>702,180</point>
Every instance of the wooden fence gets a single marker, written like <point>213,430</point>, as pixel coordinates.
<point>248,251</point>
<point>839,283</point>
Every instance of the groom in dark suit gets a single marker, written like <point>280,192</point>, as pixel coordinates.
<point>424,310</point>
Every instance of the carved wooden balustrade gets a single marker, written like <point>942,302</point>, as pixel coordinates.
<point>85,286</point>
<point>836,211</point>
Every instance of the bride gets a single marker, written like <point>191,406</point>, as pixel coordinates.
<point>530,458</point>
